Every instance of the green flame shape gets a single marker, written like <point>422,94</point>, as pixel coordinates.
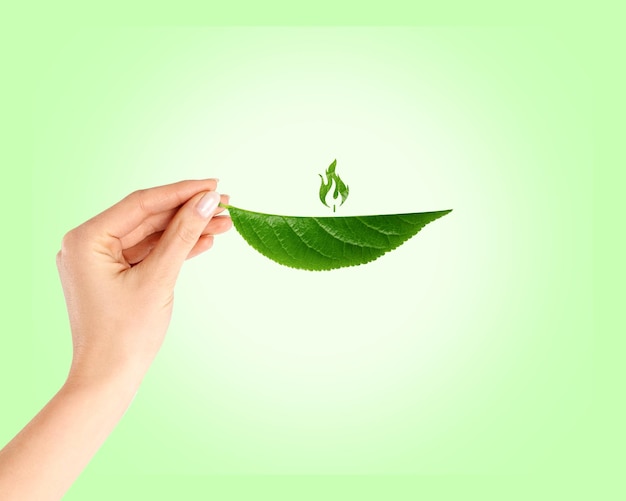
<point>341,189</point>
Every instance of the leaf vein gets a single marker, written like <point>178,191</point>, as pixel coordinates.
<point>387,233</point>
<point>345,239</point>
<point>301,237</point>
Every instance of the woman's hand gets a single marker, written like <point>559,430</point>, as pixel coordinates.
<point>118,272</point>
<point>119,269</point>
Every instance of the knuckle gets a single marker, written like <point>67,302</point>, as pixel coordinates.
<point>187,233</point>
<point>140,198</point>
<point>74,241</point>
<point>69,241</point>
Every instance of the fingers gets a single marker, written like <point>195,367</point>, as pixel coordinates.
<point>140,251</point>
<point>158,222</point>
<point>125,216</point>
<point>205,242</point>
<point>179,238</point>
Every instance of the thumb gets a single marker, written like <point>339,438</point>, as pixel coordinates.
<point>180,236</point>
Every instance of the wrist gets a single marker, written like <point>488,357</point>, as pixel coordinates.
<point>102,373</point>
<point>112,357</point>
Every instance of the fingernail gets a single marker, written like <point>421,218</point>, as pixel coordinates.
<point>208,203</point>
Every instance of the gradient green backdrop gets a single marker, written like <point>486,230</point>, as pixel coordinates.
<point>462,364</point>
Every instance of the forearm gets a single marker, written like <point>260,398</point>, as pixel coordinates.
<point>45,458</point>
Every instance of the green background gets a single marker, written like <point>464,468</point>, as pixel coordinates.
<point>466,364</point>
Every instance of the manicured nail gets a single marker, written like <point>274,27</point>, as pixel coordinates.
<point>208,203</point>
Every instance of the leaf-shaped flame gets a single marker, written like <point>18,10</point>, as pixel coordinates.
<point>341,189</point>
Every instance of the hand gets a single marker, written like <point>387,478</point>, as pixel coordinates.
<point>119,269</point>
<point>118,272</point>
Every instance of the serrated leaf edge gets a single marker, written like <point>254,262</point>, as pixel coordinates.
<point>385,251</point>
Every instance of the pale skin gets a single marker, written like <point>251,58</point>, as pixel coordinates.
<point>118,272</point>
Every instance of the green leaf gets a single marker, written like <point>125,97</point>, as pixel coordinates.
<point>326,243</point>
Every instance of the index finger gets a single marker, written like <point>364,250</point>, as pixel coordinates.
<point>123,217</point>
